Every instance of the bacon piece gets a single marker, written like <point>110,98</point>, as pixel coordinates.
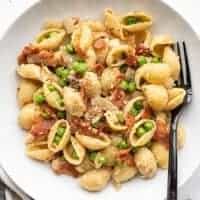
<point>99,68</point>
<point>129,121</point>
<point>147,113</point>
<point>118,97</point>
<point>99,44</point>
<point>126,157</point>
<point>141,49</point>
<point>162,132</point>
<point>63,167</point>
<point>34,55</point>
<point>131,61</point>
<point>42,127</point>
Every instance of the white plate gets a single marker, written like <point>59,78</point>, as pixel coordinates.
<point>35,178</point>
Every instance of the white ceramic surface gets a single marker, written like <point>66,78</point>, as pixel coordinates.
<point>34,177</point>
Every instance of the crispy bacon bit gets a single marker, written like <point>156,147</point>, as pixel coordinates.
<point>118,97</point>
<point>147,113</point>
<point>63,167</point>
<point>31,54</point>
<point>126,157</point>
<point>162,132</point>
<point>141,49</point>
<point>42,127</point>
<point>99,44</point>
<point>129,121</point>
<point>80,52</point>
<point>99,68</point>
<point>131,60</point>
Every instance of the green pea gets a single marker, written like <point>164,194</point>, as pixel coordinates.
<point>130,20</point>
<point>102,159</point>
<point>148,126</point>
<point>80,67</point>
<point>69,48</point>
<point>51,88</point>
<point>60,131</point>
<point>122,144</point>
<point>56,139</point>
<point>131,86</point>
<point>59,71</point>
<point>61,114</point>
<point>124,85</point>
<point>138,105</point>
<point>39,98</point>
<point>62,82</point>
<point>142,60</point>
<point>140,131</point>
<point>62,72</point>
<point>92,155</point>
<point>155,60</point>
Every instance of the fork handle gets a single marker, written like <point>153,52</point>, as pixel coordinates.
<point>172,169</point>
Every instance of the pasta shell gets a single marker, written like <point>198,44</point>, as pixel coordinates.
<point>29,71</point>
<point>74,104</point>
<point>58,145</point>
<point>161,154</point>
<point>145,162</point>
<point>26,91</point>
<point>50,38</point>
<point>156,95</point>
<point>70,24</point>
<point>91,58</point>
<point>172,60</point>
<point>95,180</point>
<point>103,104</point>
<point>53,24</point>
<point>159,43</point>
<point>82,38</point>
<point>136,141</point>
<point>142,21</point>
<point>74,153</point>
<point>27,116</point>
<point>96,26</point>
<point>91,84</point>
<point>94,143</point>
<point>176,98</point>
<point>85,166</point>
<point>112,23</point>
<point>39,151</point>
<point>123,173</point>
<point>155,73</point>
<point>47,75</point>
<point>109,79</point>
<point>53,95</point>
<point>129,105</point>
<point>117,56</point>
<point>113,121</point>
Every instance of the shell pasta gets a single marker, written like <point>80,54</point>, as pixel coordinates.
<point>96,96</point>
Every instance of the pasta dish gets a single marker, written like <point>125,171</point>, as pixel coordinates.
<point>96,97</point>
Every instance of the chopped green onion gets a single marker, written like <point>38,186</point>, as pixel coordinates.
<point>148,126</point>
<point>39,98</point>
<point>142,60</point>
<point>69,48</point>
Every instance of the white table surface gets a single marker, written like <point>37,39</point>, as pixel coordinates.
<point>189,9</point>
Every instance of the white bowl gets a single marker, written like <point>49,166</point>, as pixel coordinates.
<point>35,178</point>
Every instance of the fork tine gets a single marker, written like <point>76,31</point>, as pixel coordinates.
<point>187,67</point>
<point>181,81</point>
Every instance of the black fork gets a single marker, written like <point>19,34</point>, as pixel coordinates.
<point>185,83</point>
